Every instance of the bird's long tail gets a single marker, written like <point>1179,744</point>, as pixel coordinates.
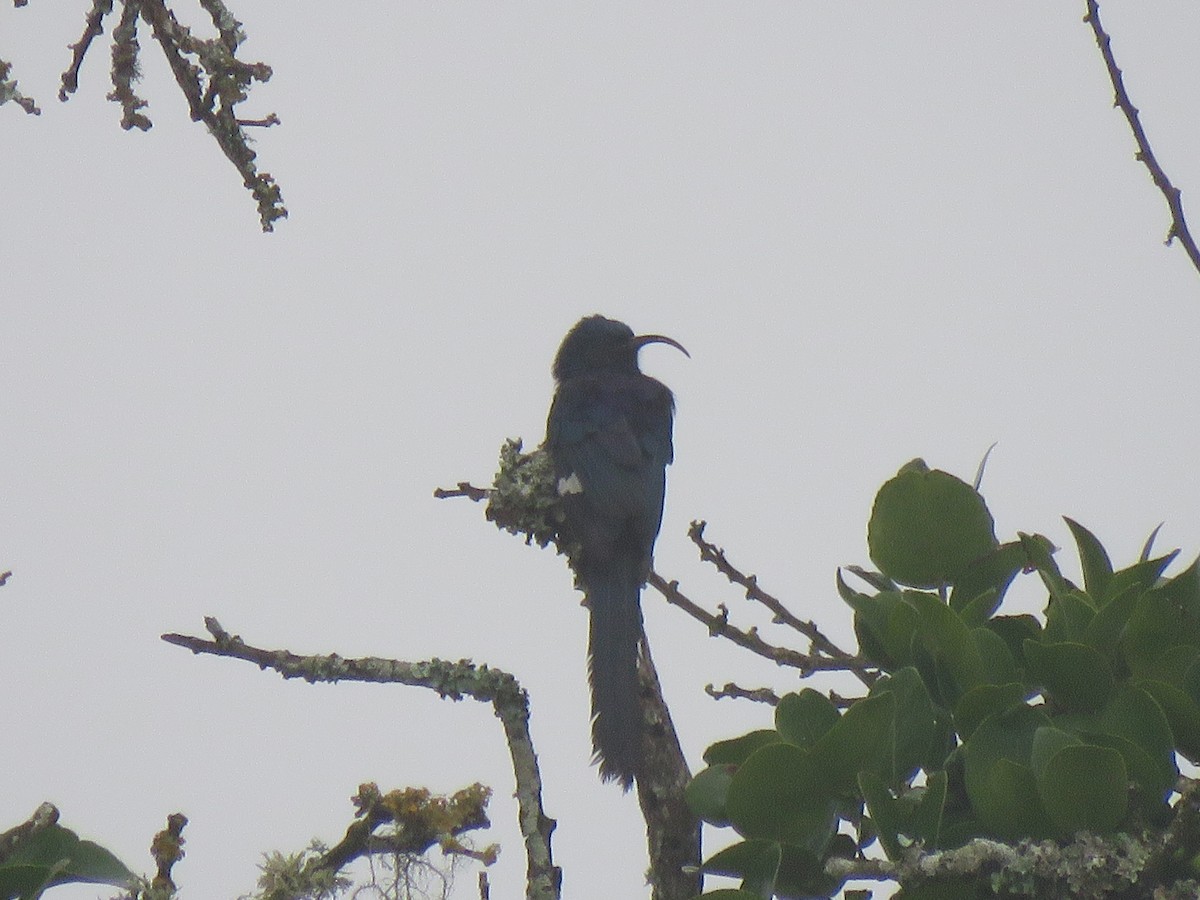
<point>616,629</point>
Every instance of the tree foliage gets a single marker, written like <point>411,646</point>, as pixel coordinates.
<point>981,726</point>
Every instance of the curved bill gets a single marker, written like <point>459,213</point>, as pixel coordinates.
<point>641,340</point>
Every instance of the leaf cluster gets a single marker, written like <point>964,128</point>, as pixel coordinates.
<point>982,726</point>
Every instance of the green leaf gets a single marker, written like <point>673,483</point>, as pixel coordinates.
<point>779,793</point>
<point>877,627</point>
<point>1097,567</point>
<point>1171,666</point>
<point>1040,553</point>
<point>942,642</point>
<point>1047,741</point>
<point>1183,590</point>
<point>27,882</point>
<point>988,576</point>
<point>1135,715</point>
<point>735,860</point>
<point>802,874</point>
<point>1015,630</point>
<point>1133,723</point>
<point>707,792</point>
<point>1007,802</point>
<point>56,855</point>
<point>1163,618</point>
<point>1076,677</point>
<point>1084,787</point>
<point>927,527</point>
<point>999,666</point>
<point>986,700</point>
<point>802,718</point>
<point>927,818</point>
<point>1183,715</point>
<point>885,812</point>
<point>1068,616</point>
<point>913,729</point>
<point>945,739</point>
<point>1149,545</point>
<point>1105,630</point>
<point>761,869</point>
<point>857,742</point>
<point>1141,575</point>
<point>979,610</point>
<point>737,750</point>
<point>999,779</point>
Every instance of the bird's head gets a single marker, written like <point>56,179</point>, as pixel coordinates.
<point>597,344</point>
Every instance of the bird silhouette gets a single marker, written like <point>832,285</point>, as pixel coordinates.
<point>609,436</point>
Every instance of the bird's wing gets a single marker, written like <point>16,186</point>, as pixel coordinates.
<point>615,442</point>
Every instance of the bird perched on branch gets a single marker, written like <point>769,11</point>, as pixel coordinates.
<point>609,436</point>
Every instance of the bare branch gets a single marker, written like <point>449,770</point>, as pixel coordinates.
<point>1145,155</point>
<point>768,696</point>
<point>93,28</point>
<point>452,680</point>
<point>734,692</point>
<point>713,554</point>
<point>464,489</point>
<point>718,625</point>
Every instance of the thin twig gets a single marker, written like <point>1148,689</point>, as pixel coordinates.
<point>93,28</point>
<point>1179,227</point>
<point>464,489</point>
<point>735,692</point>
<point>713,554</point>
<point>718,626</point>
<point>270,120</point>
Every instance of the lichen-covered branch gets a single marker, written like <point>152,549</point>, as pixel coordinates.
<point>453,680</point>
<point>125,68</point>
<point>672,829</point>
<point>420,819</point>
<point>167,849</point>
<point>1090,867</point>
<point>213,81</point>
<point>10,91</point>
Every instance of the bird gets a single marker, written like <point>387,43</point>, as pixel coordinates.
<point>608,435</point>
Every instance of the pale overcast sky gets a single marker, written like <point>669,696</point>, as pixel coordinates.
<point>882,230</point>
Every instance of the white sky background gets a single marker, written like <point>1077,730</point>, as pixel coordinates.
<point>882,230</point>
